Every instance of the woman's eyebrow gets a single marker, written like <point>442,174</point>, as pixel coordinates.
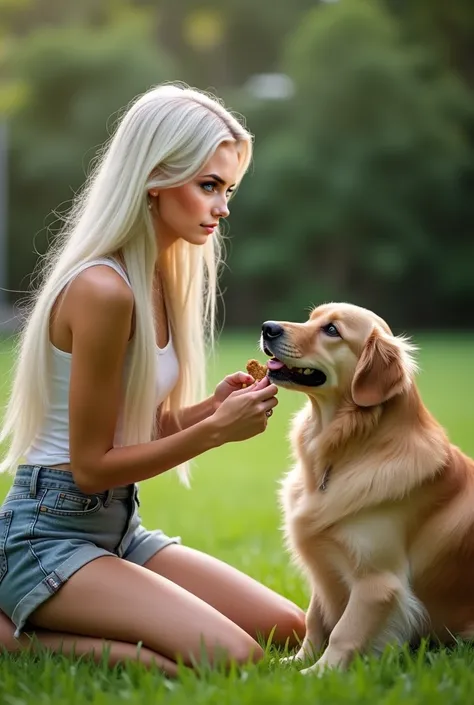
<point>219,179</point>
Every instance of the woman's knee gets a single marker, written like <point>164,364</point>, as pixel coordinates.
<point>290,625</point>
<point>246,651</point>
<point>8,641</point>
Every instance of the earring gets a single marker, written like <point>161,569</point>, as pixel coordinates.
<point>150,202</point>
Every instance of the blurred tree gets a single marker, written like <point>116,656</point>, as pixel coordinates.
<point>74,81</point>
<point>221,44</point>
<point>447,26</point>
<point>356,179</point>
<point>448,29</point>
<point>362,182</point>
<point>20,17</point>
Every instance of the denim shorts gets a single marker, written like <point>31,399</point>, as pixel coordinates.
<point>49,529</point>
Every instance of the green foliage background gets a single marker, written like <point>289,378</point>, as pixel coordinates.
<point>362,179</point>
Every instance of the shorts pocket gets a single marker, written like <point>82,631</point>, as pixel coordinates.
<point>69,503</point>
<point>5,521</point>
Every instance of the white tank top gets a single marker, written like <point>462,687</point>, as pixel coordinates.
<point>51,445</point>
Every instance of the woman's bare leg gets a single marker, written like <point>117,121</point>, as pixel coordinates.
<point>113,599</point>
<point>76,645</point>
<point>245,601</point>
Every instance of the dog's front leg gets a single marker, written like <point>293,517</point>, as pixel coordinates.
<point>315,634</point>
<point>370,603</point>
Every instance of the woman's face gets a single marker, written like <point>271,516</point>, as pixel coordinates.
<point>193,211</point>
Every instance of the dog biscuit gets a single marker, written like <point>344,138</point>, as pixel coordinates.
<point>256,369</point>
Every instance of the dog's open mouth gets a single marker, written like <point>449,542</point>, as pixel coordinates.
<point>301,376</point>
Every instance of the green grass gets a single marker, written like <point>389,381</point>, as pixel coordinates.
<point>231,512</point>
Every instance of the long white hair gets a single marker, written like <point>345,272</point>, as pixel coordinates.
<point>163,140</point>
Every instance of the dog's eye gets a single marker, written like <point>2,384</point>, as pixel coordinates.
<point>330,330</point>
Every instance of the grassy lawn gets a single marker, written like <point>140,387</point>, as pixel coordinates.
<point>231,512</point>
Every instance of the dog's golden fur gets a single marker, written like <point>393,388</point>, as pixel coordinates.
<point>378,506</point>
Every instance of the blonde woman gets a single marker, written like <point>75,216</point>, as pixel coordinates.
<point>109,371</point>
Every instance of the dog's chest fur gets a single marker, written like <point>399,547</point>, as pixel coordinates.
<point>373,538</point>
<point>338,555</point>
<point>354,521</point>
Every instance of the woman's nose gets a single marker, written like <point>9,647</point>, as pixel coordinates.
<point>221,210</point>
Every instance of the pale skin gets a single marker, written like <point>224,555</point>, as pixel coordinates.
<point>187,599</point>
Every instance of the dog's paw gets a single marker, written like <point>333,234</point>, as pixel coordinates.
<point>313,670</point>
<point>318,669</point>
<point>298,660</point>
<point>322,666</point>
<point>290,661</point>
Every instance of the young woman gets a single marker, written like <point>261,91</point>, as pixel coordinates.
<point>110,367</point>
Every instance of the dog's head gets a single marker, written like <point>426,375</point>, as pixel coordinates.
<point>341,348</point>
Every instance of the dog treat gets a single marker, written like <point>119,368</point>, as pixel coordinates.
<point>256,369</point>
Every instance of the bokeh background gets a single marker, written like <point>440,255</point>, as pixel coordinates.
<point>361,190</point>
<point>363,116</point>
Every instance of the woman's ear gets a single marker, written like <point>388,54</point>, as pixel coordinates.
<point>385,369</point>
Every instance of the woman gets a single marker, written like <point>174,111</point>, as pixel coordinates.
<point>110,367</point>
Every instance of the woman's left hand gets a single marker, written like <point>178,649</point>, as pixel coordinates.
<point>231,383</point>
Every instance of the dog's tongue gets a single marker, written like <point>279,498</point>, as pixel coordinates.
<point>274,364</point>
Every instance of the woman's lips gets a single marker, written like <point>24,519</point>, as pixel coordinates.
<point>209,228</point>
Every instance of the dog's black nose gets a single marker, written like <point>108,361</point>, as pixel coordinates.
<point>272,330</point>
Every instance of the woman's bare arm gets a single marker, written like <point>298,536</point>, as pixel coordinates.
<point>98,307</point>
<point>169,423</point>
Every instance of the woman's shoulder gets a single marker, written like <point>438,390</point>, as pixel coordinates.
<point>101,285</point>
<point>97,303</point>
<point>98,292</point>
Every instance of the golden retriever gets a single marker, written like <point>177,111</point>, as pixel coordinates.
<point>378,506</point>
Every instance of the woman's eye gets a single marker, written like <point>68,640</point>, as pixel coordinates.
<point>211,186</point>
<point>331,330</point>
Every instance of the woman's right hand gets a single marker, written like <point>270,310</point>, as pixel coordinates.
<point>244,413</point>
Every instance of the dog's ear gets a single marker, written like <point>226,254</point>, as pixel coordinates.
<point>385,369</point>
